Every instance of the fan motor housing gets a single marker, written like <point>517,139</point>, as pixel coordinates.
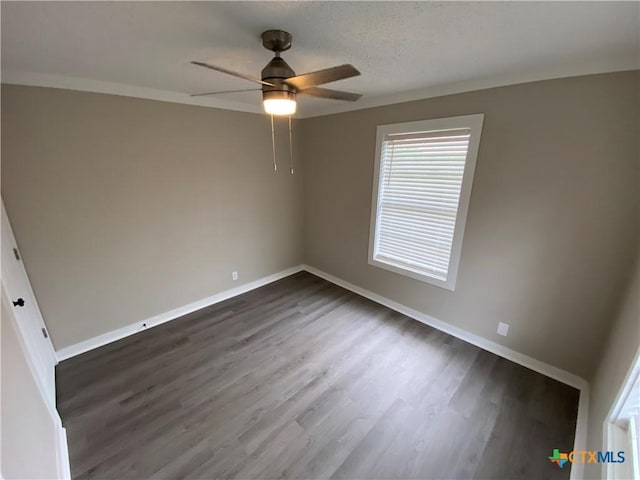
<point>277,69</point>
<point>278,94</point>
<point>276,72</point>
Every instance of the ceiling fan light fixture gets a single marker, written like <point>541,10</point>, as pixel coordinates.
<point>279,82</point>
<point>279,102</point>
<point>280,106</point>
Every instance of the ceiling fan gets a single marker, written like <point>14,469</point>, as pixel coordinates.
<point>279,83</point>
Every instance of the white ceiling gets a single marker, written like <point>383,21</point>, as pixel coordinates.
<point>405,50</point>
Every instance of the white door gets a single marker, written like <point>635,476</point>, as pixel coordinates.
<point>31,325</point>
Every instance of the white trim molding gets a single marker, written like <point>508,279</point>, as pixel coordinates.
<point>64,467</point>
<point>45,393</point>
<point>500,350</point>
<point>82,84</point>
<point>615,436</point>
<point>421,130</point>
<point>131,329</point>
<point>64,82</point>
<point>62,453</point>
<point>580,439</point>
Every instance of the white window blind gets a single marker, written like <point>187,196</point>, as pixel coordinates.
<point>421,177</point>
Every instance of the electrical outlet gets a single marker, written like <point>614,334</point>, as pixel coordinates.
<point>503,329</point>
<point>234,275</point>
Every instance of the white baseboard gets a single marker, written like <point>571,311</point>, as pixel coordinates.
<point>112,336</point>
<point>580,439</point>
<point>64,468</point>
<point>556,373</point>
<point>500,350</point>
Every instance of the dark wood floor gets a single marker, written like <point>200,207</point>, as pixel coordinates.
<point>303,379</point>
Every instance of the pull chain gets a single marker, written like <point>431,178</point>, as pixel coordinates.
<point>273,145</point>
<point>393,148</point>
<point>290,148</point>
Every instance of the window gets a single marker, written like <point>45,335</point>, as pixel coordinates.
<point>422,185</point>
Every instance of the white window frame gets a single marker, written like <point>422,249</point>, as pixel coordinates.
<point>474,124</point>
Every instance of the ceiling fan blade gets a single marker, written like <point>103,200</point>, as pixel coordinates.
<point>330,94</point>
<point>230,72</point>
<point>319,77</point>
<point>225,91</point>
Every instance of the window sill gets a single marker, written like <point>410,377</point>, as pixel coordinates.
<point>449,284</point>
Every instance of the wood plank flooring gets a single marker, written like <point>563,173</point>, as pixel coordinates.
<point>303,379</point>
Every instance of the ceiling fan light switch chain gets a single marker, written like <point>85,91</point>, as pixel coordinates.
<point>273,145</point>
<point>290,148</point>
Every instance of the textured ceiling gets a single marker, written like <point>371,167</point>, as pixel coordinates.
<point>405,50</point>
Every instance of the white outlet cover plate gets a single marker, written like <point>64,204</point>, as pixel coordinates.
<point>503,329</point>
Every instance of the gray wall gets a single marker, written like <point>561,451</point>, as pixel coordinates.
<point>622,344</point>
<point>127,208</point>
<point>553,220</point>
<point>28,431</point>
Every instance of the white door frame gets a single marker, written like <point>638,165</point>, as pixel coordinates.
<point>615,437</point>
<point>62,453</point>
<point>40,350</point>
<point>35,363</point>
